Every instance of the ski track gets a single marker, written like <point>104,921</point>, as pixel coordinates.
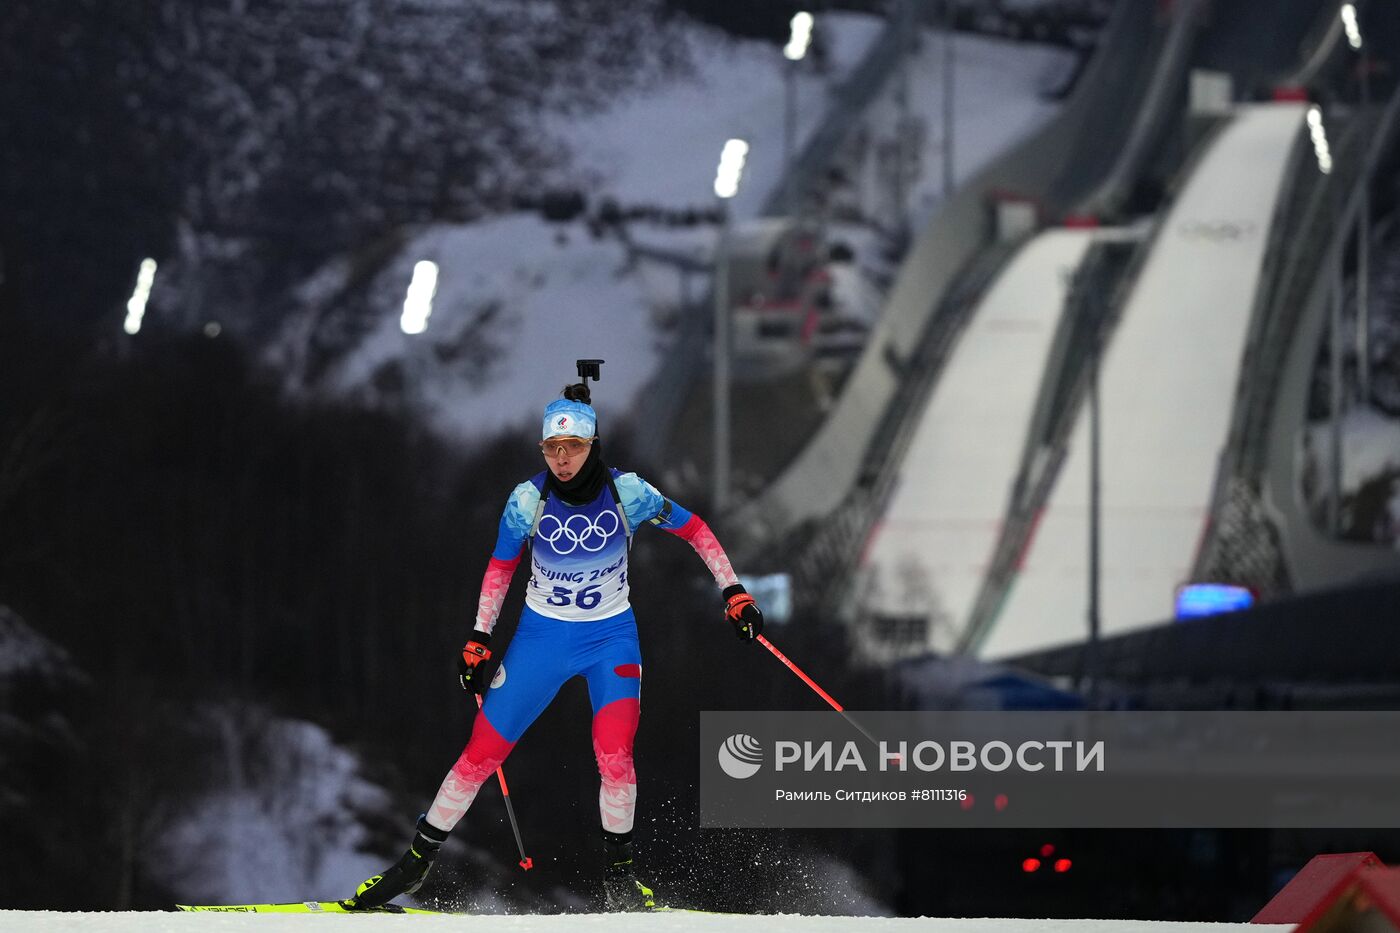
<point>51,921</point>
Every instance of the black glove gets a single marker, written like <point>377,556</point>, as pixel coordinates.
<point>474,666</point>
<point>742,612</point>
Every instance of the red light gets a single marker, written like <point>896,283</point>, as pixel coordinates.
<point>1001,801</point>
<point>1031,864</point>
<point>967,802</point>
<point>1062,865</point>
<point>1047,850</point>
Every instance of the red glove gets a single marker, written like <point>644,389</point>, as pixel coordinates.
<point>472,667</point>
<point>742,612</point>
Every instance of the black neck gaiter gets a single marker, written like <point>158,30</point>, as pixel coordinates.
<point>586,484</point>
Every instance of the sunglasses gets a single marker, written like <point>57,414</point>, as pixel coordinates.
<point>571,447</point>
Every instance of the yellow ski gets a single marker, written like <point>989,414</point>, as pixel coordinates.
<point>304,907</point>
<point>338,907</point>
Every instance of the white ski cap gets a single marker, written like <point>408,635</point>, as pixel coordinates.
<point>566,417</point>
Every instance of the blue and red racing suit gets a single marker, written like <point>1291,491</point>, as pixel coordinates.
<point>577,620</point>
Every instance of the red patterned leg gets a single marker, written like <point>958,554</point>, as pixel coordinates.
<point>614,728</point>
<point>483,755</point>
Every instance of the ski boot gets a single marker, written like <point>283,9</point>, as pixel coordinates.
<point>621,889</point>
<point>405,876</point>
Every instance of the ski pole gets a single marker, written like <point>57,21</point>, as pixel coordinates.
<point>813,684</point>
<point>526,862</point>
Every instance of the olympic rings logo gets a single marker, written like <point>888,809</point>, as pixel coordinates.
<point>579,531</point>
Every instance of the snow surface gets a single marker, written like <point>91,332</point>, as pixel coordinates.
<point>520,299</point>
<point>48,921</point>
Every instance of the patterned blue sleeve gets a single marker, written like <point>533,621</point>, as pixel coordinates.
<point>516,521</point>
<point>643,503</point>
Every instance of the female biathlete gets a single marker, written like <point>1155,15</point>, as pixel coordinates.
<point>578,517</point>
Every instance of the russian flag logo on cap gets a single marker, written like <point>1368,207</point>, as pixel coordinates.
<point>563,416</point>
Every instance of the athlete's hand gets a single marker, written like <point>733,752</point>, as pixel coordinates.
<point>742,612</point>
<point>473,667</point>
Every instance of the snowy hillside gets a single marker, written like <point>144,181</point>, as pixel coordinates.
<point>27,657</point>
<point>40,689</point>
<point>258,803</point>
<point>519,298</point>
<point>280,813</point>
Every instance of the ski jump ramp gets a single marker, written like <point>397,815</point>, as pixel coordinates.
<point>1167,386</point>
<point>930,550</point>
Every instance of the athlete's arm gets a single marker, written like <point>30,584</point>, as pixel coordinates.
<point>740,609</point>
<point>494,586</point>
<point>516,520</point>
<point>643,503</point>
<point>692,528</point>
